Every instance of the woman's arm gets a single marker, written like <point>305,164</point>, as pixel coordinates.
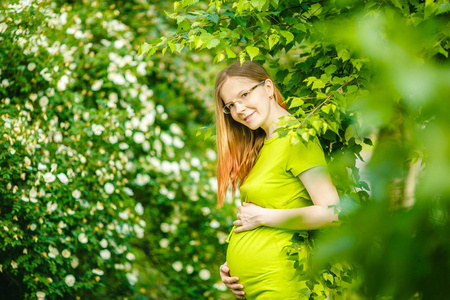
<point>322,213</point>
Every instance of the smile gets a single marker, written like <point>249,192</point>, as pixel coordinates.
<point>246,119</point>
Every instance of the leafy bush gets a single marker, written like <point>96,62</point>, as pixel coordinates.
<point>107,192</point>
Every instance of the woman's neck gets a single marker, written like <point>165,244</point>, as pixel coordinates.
<point>275,116</point>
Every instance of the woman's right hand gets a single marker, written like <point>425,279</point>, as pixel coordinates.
<point>231,282</point>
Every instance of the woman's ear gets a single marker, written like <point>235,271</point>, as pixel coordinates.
<point>268,85</point>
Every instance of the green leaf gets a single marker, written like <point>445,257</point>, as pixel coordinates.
<point>184,26</point>
<point>213,17</point>
<point>172,46</point>
<point>213,43</point>
<point>252,51</point>
<point>318,84</point>
<point>287,35</point>
<point>258,4</point>
<point>344,54</point>
<point>300,26</point>
<point>296,102</point>
<point>325,109</point>
<point>330,69</point>
<point>230,52</point>
<point>144,48</point>
<point>219,57</point>
<point>242,57</point>
<point>273,40</point>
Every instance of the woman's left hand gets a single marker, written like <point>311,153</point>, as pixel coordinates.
<point>249,217</point>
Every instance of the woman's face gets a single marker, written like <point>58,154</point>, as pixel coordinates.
<point>250,108</point>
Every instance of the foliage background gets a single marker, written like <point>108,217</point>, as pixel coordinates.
<point>107,191</point>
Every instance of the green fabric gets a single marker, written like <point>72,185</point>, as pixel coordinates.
<point>258,257</point>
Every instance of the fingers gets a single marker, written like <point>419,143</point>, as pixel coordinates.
<point>224,268</point>
<point>237,223</point>
<point>239,294</point>
<point>230,281</point>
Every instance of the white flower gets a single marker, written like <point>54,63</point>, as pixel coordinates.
<point>189,269</point>
<point>205,210</point>
<point>139,231</point>
<point>214,224</point>
<point>98,272</point>
<point>113,139</point>
<point>105,254</point>
<point>104,243</point>
<point>142,179</point>
<point>195,162</point>
<point>166,138</point>
<point>165,227</point>
<point>53,252</point>
<point>109,188</point>
<point>175,129</point>
<point>31,66</point>
<point>128,191</point>
<point>97,85</point>
<point>130,256</point>
<point>52,206</point>
<point>195,175</point>
<point>118,44</point>
<point>178,143</point>
<point>83,238</point>
<point>124,215</point>
<point>130,77</point>
<point>141,69</point>
<point>99,205</point>
<point>40,295</point>
<point>132,279</point>
<point>74,262</point>
<point>43,102</point>
<point>139,208</point>
<point>164,243</point>
<point>41,167</point>
<point>204,274</point>
<point>70,280</point>
<point>177,266</point>
<point>33,227</point>
<point>117,78</point>
<point>211,154</point>
<point>76,194</point>
<point>123,146</point>
<point>97,129</point>
<point>3,27</point>
<point>65,253</point>
<point>139,137</point>
<point>5,83</point>
<point>63,178</point>
<point>14,264</point>
<point>220,286</point>
<point>58,137</point>
<point>62,83</point>
<point>45,75</point>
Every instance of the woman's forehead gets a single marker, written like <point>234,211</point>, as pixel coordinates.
<point>232,86</point>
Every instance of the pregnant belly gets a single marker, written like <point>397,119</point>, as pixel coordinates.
<point>258,258</point>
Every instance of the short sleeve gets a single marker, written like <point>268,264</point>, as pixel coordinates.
<point>304,157</point>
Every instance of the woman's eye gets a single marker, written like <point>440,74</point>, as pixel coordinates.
<point>244,95</point>
<point>230,105</point>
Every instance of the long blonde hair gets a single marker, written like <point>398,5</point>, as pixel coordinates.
<point>237,145</point>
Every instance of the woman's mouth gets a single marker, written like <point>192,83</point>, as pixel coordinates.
<point>247,118</point>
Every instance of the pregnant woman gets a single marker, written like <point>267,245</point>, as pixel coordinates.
<point>285,187</point>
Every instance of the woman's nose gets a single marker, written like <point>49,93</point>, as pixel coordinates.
<point>239,106</point>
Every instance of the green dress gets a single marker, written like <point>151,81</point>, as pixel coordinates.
<point>258,257</point>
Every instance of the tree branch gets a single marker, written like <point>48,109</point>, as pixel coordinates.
<point>324,101</point>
